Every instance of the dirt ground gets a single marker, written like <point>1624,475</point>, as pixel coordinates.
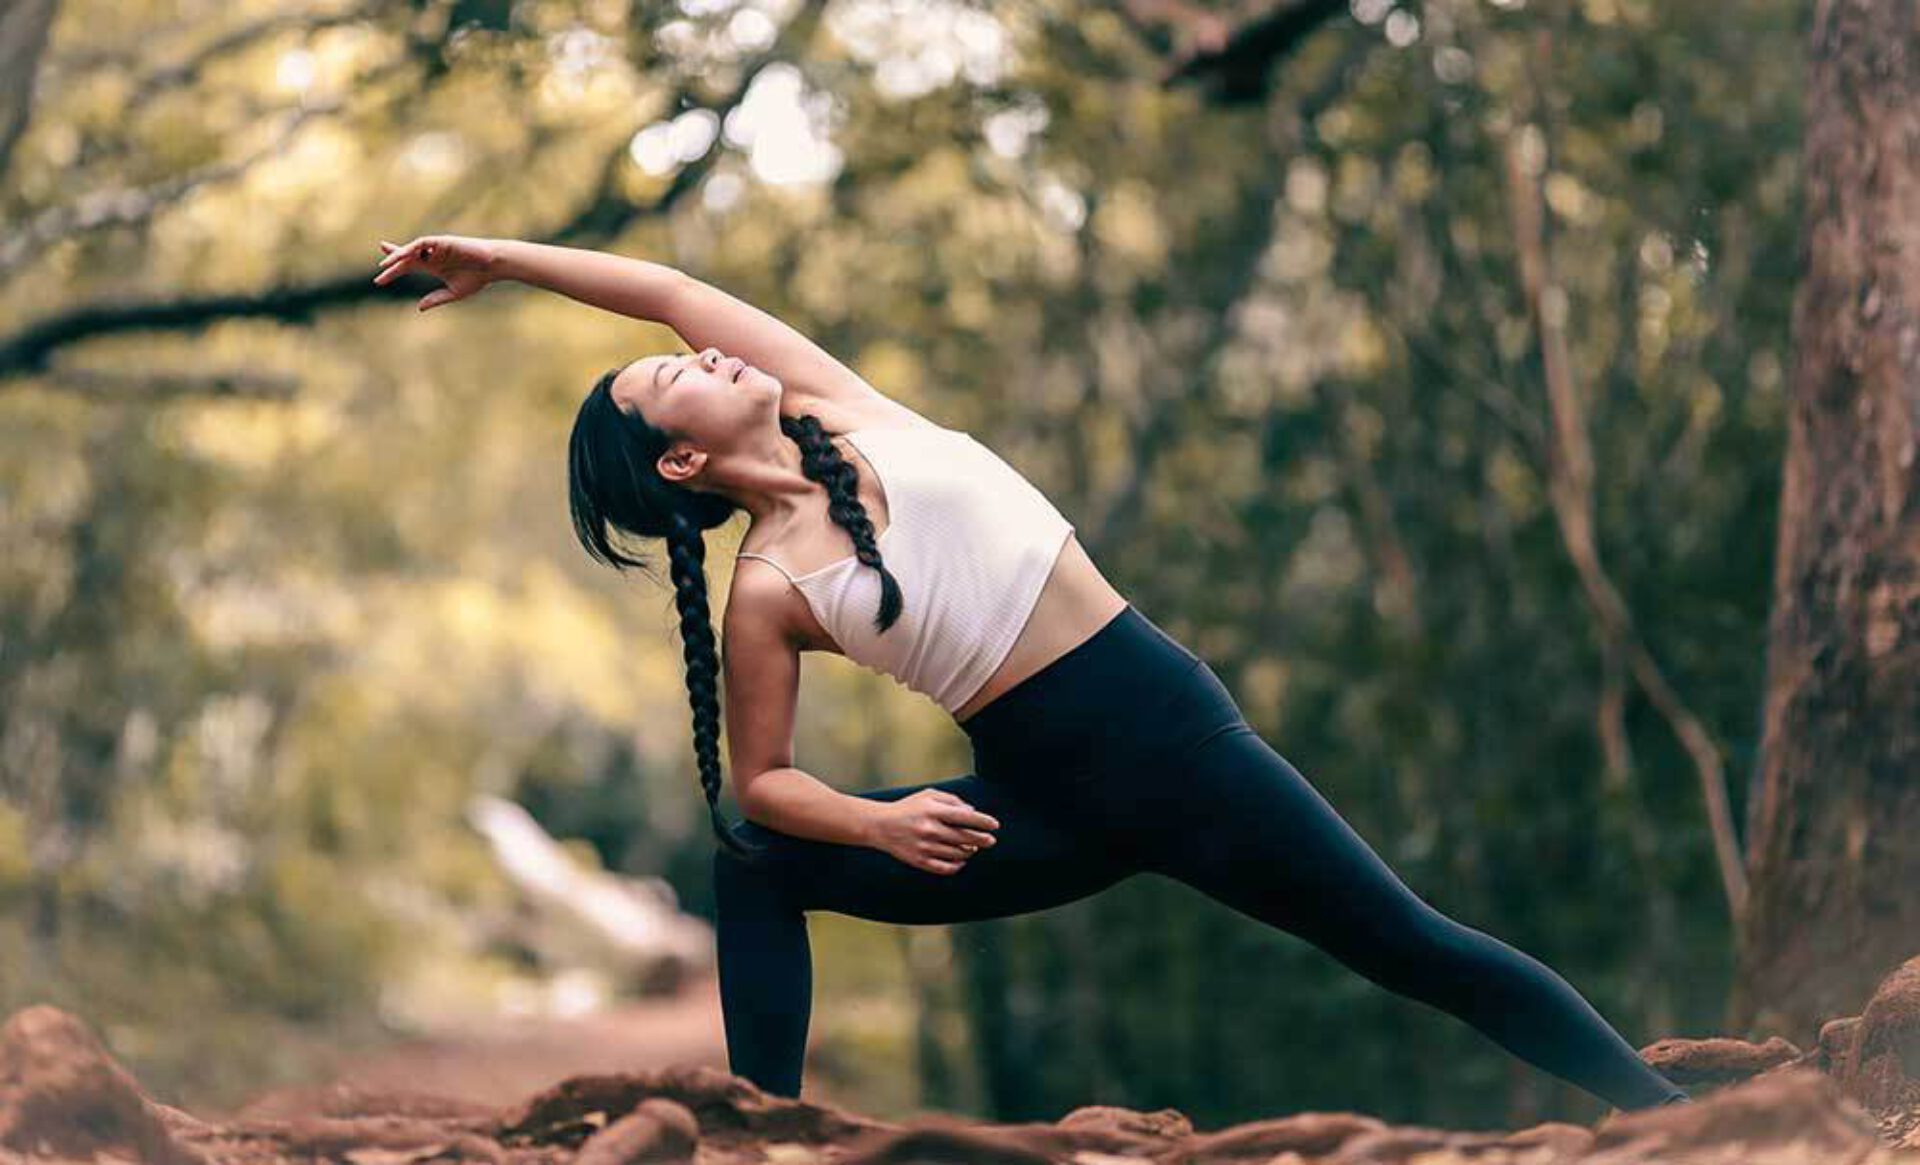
<point>647,1084</point>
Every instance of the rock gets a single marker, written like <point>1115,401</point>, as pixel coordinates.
<point>1310,1134</point>
<point>1717,1062</point>
<point>936,1138</point>
<point>658,1130</point>
<point>1882,1069</point>
<point>362,1140</point>
<point>62,1094</point>
<point>350,1100</point>
<point>1797,1109</point>
<point>721,1104</point>
<point>1557,1137</point>
<point>1420,1145</point>
<point>1165,1122</point>
<point>1837,1038</point>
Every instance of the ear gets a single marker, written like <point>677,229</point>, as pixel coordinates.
<point>681,461</point>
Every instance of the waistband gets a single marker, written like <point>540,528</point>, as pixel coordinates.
<point>1129,687</point>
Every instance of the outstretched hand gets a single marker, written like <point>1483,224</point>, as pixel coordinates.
<point>463,263</point>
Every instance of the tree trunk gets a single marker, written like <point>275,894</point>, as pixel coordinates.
<point>1835,811</point>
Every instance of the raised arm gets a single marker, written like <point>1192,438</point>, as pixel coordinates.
<point>703,315</point>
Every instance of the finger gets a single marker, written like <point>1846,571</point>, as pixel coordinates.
<point>979,837</point>
<point>953,835</point>
<point>407,251</point>
<point>968,816</point>
<point>393,271</point>
<point>385,246</point>
<point>436,297</point>
<point>396,258</point>
<point>937,866</point>
<point>948,851</point>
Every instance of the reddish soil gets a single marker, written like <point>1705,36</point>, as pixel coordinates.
<point>519,1095</point>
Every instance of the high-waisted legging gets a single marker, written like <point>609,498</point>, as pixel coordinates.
<point>1124,755</point>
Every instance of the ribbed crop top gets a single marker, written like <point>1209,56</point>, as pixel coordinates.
<point>971,543</point>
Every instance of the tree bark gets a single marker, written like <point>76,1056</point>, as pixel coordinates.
<point>1835,807</point>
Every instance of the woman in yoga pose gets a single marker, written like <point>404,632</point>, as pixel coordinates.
<point>1102,747</point>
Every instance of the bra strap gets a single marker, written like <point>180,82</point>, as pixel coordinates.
<point>770,562</point>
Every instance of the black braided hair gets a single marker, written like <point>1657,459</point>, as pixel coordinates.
<point>820,460</point>
<point>614,483</point>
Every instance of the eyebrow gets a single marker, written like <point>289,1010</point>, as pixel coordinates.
<point>662,368</point>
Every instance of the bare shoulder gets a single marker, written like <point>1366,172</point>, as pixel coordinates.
<point>759,602</point>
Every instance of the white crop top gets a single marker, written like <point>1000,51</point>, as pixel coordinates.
<point>971,543</point>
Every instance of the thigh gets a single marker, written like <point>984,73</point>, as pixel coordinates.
<point>1040,859</point>
<point>1243,826</point>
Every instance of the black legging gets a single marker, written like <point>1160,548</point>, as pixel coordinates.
<point>1125,755</point>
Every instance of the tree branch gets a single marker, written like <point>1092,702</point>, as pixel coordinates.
<point>146,386</point>
<point>110,208</point>
<point>188,69</point>
<point>608,212</point>
<point>1238,70</point>
<point>1571,497</point>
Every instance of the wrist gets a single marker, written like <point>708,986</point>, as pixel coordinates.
<point>867,815</point>
<point>503,263</point>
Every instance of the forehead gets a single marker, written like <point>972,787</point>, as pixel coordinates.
<point>636,381</point>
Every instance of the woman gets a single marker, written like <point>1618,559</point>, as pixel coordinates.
<point>1103,747</point>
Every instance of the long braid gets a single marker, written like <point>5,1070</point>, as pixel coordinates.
<point>614,484</point>
<point>820,460</point>
<point>687,554</point>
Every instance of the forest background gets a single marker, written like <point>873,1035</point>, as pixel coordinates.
<point>1433,386</point>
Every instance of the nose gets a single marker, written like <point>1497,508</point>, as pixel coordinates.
<point>710,359</point>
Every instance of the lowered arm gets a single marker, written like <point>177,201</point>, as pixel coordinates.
<point>761,674</point>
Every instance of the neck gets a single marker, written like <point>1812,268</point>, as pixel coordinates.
<point>763,478</point>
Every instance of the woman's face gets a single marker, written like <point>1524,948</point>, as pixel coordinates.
<point>707,400</point>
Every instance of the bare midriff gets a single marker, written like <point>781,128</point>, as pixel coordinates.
<point>1076,602</point>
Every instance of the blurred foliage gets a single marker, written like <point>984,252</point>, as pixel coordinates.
<point>289,575</point>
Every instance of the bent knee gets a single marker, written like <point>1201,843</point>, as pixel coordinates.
<point>731,871</point>
<point>766,873</point>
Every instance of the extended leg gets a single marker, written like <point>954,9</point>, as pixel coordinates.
<point>765,964</point>
<point>1246,828</point>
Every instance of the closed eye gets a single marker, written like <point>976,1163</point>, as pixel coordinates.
<point>676,372</point>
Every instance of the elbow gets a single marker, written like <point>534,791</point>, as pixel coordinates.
<point>750,792</point>
<point>677,296</point>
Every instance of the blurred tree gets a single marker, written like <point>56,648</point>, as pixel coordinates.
<point>1836,800</point>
